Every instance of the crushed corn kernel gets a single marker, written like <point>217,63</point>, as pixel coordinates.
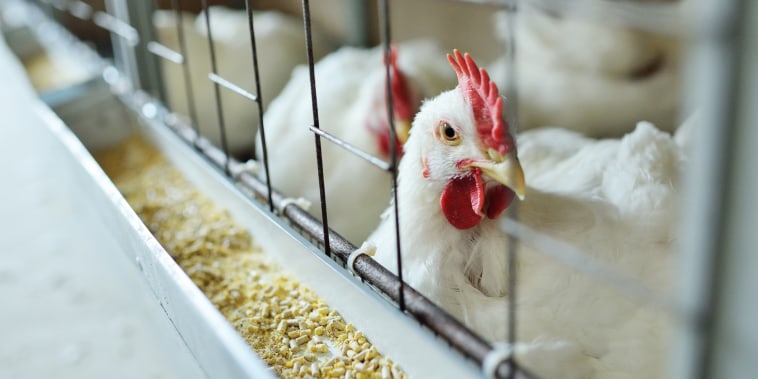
<point>284,322</point>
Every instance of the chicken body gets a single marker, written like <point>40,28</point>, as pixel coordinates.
<point>617,201</point>
<point>351,93</point>
<point>281,47</point>
<point>613,199</point>
<point>597,79</point>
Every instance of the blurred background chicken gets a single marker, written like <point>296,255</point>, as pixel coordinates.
<point>280,36</point>
<point>613,199</point>
<point>351,90</point>
<point>592,77</point>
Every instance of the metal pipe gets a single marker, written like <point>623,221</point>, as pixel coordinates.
<point>712,205</point>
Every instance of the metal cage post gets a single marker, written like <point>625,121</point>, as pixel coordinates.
<point>718,239</point>
<point>134,58</point>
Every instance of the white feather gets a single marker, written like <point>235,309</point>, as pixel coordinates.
<point>594,78</point>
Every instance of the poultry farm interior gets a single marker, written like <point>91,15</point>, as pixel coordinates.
<point>435,188</point>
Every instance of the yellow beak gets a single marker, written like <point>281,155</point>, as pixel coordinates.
<point>402,129</point>
<point>506,170</point>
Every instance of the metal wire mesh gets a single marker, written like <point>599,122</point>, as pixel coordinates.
<point>661,20</point>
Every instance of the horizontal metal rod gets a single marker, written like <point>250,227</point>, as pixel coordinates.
<point>117,27</point>
<point>165,52</point>
<point>231,86</point>
<point>80,10</point>
<point>57,4</point>
<point>347,146</point>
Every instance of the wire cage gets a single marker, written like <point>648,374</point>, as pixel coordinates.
<point>716,187</point>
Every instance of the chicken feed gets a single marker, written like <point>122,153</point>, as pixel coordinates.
<point>288,325</point>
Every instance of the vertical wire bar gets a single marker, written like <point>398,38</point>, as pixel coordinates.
<point>511,91</point>
<point>177,5</point>
<point>259,100</point>
<point>217,90</point>
<point>733,295</point>
<point>317,138</point>
<point>385,14</point>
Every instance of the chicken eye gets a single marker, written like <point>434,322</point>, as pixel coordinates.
<point>448,134</point>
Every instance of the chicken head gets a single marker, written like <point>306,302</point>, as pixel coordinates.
<point>467,153</point>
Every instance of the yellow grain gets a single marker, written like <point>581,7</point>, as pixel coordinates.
<point>282,320</point>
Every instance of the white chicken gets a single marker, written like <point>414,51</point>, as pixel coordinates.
<point>280,45</point>
<point>351,91</point>
<point>594,78</point>
<point>613,199</point>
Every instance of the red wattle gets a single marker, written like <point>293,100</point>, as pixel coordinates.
<point>462,200</point>
<point>498,199</point>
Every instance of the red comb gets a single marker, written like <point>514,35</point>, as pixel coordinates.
<point>400,94</point>
<point>485,100</point>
